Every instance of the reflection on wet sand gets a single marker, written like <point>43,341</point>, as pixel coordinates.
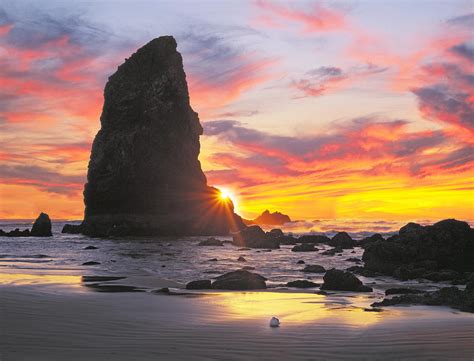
<point>20,279</point>
<point>294,308</point>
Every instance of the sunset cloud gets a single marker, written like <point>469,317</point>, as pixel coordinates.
<point>315,18</point>
<point>325,79</point>
<point>219,71</point>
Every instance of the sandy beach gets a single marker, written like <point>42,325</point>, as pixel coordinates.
<point>57,318</point>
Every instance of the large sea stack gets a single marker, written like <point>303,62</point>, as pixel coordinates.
<point>144,175</point>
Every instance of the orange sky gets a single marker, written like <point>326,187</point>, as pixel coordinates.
<point>317,111</point>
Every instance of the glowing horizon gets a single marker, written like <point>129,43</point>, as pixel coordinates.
<point>360,111</point>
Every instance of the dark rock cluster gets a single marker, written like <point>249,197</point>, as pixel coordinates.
<point>446,296</point>
<point>440,252</point>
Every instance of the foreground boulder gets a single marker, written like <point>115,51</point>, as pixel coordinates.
<point>42,226</point>
<point>338,280</point>
<point>342,240</point>
<point>440,251</point>
<point>239,280</point>
<point>254,237</point>
<point>144,177</point>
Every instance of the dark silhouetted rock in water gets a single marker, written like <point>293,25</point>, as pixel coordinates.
<point>343,281</point>
<point>302,284</point>
<point>314,268</point>
<point>90,263</point>
<point>240,280</point>
<point>90,248</point>
<point>275,218</point>
<point>438,252</point>
<point>342,240</point>
<point>199,285</point>
<point>254,237</point>
<point>42,226</point>
<point>72,228</point>
<point>211,242</point>
<point>144,176</point>
<point>305,247</point>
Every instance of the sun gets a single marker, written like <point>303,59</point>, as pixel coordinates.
<point>225,196</point>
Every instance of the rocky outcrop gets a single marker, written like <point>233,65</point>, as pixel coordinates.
<point>446,296</point>
<point>254,237</point>
<point>442,251</point>
<point>338,280</point>
<point>42,226</point>
<point>275,218</point>
<point>239,280</point>
<point>144,176</point>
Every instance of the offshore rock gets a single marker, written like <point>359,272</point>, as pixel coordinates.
<point>144,176</point>
<point>275,218</point>
<point>254,237</point>
<point>42,226</point>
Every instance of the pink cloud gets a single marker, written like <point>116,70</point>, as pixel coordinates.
<point>316,19</point>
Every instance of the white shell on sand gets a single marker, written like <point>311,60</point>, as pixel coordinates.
<point>274,322</point>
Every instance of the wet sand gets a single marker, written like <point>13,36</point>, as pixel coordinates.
<point>59,319</point>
